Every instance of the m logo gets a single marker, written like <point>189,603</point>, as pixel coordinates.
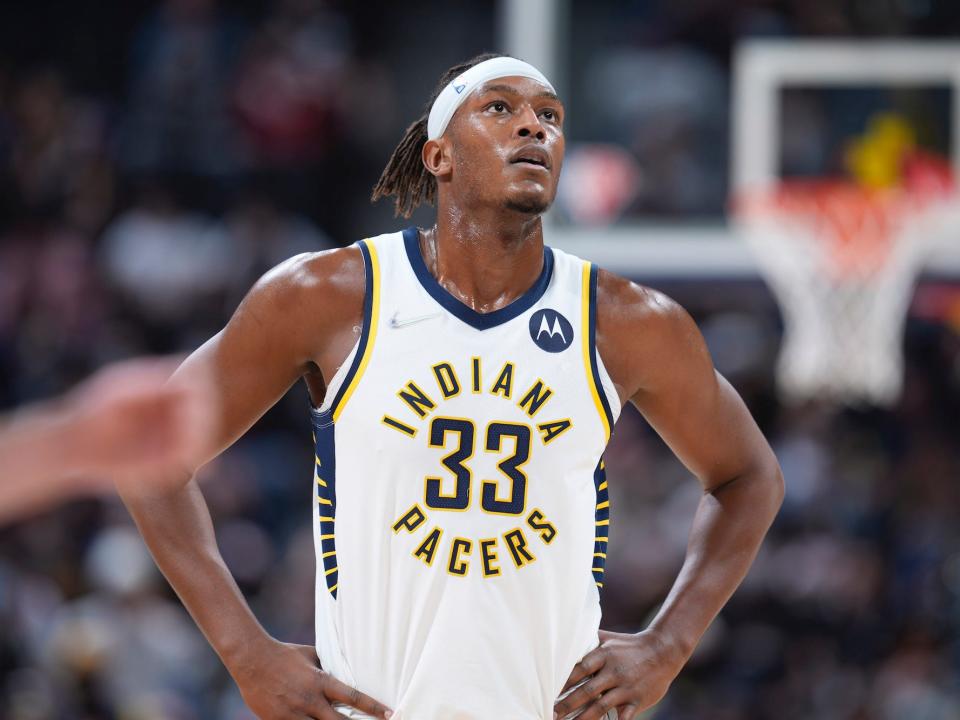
<point>550,330</point>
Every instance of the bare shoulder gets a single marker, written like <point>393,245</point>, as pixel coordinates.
<point>306,307</point>
<point>642,331</point>
<point>336,274</point>
<point>309,288</point>
<point>623,305</point>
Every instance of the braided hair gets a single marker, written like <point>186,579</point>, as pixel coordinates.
<point>405,178</point>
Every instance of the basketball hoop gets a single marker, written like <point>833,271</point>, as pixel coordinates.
<point>841,259</point>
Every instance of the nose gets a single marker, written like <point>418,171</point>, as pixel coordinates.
<point>528,123</point>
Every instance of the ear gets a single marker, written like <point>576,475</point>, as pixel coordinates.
<point>437,158</point>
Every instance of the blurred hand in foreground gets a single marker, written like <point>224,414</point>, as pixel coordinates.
<point>126,421</point>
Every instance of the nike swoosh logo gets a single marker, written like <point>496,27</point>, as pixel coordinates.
<point>398,323</point>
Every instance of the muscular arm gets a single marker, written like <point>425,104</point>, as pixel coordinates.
<point>299,320</point>
<point>659,361</point>
<point>666,371</point>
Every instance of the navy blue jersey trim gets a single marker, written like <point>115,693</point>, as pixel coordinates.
<point>602,524</point>
<point>480,321</point>
<point>325,476</point>
<point>592,334</point>
<point>326,416</point>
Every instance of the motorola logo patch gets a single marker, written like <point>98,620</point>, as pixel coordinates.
<point>550,330</point>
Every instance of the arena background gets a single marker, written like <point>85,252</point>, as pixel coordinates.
<point>157,157</point>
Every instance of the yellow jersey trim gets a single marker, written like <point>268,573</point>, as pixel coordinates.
<point>372,336</point>
<point>588,363</point>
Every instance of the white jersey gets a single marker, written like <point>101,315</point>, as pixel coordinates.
<point>462,511</point>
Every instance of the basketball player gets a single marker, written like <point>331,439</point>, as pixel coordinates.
<point>466,379</point>
<point>124,421</point>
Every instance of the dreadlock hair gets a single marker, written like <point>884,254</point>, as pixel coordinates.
<point>405,178</point>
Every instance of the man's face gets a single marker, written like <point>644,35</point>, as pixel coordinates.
<point>507,145</point>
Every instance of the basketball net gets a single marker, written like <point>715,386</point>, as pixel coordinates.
<point>841,258</point>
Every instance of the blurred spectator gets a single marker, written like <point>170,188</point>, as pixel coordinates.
<point>57,157</point>
<point>181,71</point>
<point>169,260</point>
<point>289,91</point>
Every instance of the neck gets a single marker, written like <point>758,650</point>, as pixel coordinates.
<point>486,259</point>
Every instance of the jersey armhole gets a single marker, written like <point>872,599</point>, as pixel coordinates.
<point>347,377</point>
<point>608,388</point>
<point>323,414</point>
<point>601,386</point>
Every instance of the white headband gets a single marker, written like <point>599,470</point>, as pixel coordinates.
<point>453,95</point>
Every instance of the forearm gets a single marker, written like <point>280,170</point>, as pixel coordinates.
<point>729,526</point>
<point>177,527</point>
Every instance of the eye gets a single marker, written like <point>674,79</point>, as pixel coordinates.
<point>498,106</point>
<point>550,115</point>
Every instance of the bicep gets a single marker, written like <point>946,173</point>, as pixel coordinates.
<point>671,379</point>
<point>703,420</point>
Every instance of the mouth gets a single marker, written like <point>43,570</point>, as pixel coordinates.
<point>531,157</point>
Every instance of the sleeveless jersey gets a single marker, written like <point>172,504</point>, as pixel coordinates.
<point>462,513</point>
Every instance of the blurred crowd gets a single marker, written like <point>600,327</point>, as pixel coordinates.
<point>155,163</point>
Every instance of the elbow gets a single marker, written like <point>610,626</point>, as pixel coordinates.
<point>771,479</point>
<point>137,491</point>
<point>761,484</point>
